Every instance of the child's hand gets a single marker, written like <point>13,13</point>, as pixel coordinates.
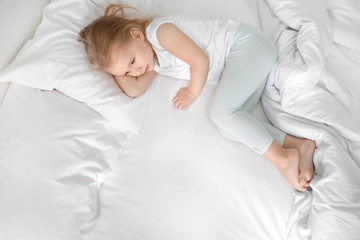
<point>183,98</point>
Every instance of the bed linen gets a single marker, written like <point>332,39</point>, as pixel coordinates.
<point>314,92</point>
<point>54,152</point>
<point>18,32</point>
<point>181,180</point>
<point>66,172</point>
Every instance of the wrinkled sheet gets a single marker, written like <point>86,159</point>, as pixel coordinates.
<point>53,153</point>
<point>180,179</point>
<point>314,92</point>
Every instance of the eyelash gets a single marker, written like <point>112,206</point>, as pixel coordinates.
<point>132,62</point>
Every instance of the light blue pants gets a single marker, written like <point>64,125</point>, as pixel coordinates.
<point>251,58</point>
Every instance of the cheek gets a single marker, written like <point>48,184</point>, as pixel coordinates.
<point>149,52</point>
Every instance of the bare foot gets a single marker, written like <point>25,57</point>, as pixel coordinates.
<point>290,169</point>
<point>287,160</point>
<point>306,148</point>
<point>307,169</point>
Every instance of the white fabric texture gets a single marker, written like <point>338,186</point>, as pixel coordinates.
<point>54,151</point>
<point>314,92</point>
<point>66,173</point>
<point>182,180</point>
<point>19,31</point>
<point>213,36</point>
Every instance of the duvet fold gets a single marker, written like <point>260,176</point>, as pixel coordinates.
<point>314,92</point>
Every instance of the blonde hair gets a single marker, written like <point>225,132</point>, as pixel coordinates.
<point>109,31</point>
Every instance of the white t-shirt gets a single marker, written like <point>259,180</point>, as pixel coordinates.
<point>212,36</point>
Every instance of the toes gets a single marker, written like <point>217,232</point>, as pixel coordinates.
<point>302,188</point>
<point>302,180</point>
<point>305,176</point>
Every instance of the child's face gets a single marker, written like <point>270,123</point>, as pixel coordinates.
<point>134,58</point>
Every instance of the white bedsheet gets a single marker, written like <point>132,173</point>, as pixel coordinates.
<point>315,93</point>
<point>53,153</point>
<point>65,173</point>
<point>180,179</point>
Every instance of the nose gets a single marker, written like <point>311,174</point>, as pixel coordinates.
<point>136,70</point>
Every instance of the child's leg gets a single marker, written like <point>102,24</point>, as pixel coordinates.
<point>250,60</point>
<point>249,105</point>
<point>249,63</point>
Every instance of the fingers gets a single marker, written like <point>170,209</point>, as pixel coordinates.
<point>183,99</point>
<point>179,104</point>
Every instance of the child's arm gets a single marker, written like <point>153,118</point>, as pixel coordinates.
<point>135,86</point>
<point>180,45</point>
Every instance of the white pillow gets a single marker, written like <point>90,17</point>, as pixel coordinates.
<point>55,59</point>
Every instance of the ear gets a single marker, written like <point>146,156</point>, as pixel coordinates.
<point>136,33</point>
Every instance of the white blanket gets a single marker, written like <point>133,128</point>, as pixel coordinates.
<point>314,92</point>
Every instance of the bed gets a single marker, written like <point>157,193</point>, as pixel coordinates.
<point>81,160</point>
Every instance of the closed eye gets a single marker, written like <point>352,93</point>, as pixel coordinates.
<point>131,63</point>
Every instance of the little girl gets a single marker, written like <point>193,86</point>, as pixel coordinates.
<point>134,50</point>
